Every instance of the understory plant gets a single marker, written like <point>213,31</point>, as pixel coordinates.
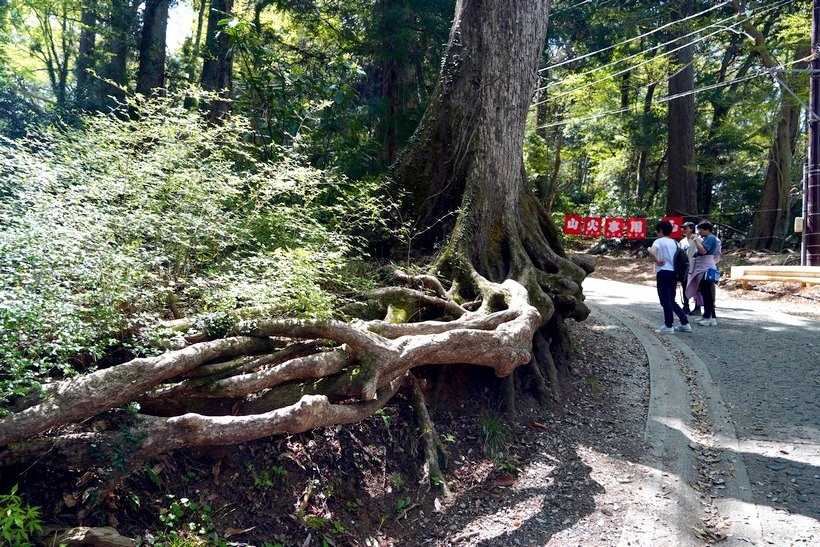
<point>18,521</point>
<point>108,229</point>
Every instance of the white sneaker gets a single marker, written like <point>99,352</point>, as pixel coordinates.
<point>710,322</point>
<point>684,328</point>
<point>665,330</point>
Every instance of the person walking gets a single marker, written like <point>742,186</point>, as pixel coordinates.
<point>708,255</point>
<point>663,252</point>
<point>690,249</point>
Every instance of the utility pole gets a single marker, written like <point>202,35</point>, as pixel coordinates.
<point>811,229</point>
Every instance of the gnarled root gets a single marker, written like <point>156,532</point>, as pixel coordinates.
<point>268,378</point>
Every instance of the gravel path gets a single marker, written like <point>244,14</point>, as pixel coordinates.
<point>733,432</point>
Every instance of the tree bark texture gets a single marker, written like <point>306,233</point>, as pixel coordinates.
<point>769,225</point>
<point>217,66</point>
<point>464,167</point>
<point>681,193</point>
<point>85,96</point>
<point>151,72</point>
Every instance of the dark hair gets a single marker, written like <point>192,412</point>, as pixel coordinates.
<point>705,225</point>
<point>664,227</point>
<point>690,225</point>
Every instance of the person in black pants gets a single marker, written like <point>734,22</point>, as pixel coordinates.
<point>708,251</point>
<point>663,252</point>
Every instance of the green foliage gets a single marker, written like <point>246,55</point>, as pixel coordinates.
<point>187,524</point>
<point>385,416</point>
<point>396,481</point>
<point>267,478</point>
<point>17,111</point>
<point>105,230</point>
<point>493,435</point>
<point>593,384</point>
<point>509,467</point>
<point>18,521</point>
<point>315,522</point>
<point>403,504</point>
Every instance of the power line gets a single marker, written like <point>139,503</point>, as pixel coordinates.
<point>596,69</point>
<point>761,72</point>
<point>579,4</point>
<point>748,17</point>
<point>632,67</point>
<point>651,32</point>
<point>661,100</point>
<point>624,71</point>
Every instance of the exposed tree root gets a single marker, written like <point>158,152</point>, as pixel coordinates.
<point>267,378</point>
<point>429,436</point>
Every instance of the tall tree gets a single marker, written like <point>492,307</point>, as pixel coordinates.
<point>85,84</point>
<point>52,42</point>
<point>119,36</point>
<point>464,168</point>
<point>151,72</point>
<point>769,225</point>
<point>714,148</point>
<point>681,192</point>
<point>217,67</point>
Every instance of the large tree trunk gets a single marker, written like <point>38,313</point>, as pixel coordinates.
<point>84,96</point>
<point>151,72</point>
<point>217,67</point>
<point>681,193</point>
<point>114,71</point>
<point>477,73</point>
<point>397,73</point>
<point>769,225</point>
<point>642,168</point>
<point>467,156</point>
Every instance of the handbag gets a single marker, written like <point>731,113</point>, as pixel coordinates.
<point>712,275</point>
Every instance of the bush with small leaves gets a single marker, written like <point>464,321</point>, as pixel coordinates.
<point>107,230</point>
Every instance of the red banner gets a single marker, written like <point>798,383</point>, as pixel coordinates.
<point>636,228</point>
<point>676,222</point>
<point>614,228</point>
<point>572,224</point>
<point>593,226</point>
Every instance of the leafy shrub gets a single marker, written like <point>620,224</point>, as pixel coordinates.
<point>18,521</point>
<point>109,229</point>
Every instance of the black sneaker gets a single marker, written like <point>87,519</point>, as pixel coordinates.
<point>696,312</point>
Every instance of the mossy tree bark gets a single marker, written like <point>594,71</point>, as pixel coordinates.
<point>464,167</point>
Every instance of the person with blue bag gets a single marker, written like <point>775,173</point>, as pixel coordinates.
<point>689,233</point>
<point>703,274</point>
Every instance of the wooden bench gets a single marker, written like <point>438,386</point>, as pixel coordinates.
<point>807,275</point>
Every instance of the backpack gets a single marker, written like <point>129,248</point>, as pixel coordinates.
<point>681,264</point>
